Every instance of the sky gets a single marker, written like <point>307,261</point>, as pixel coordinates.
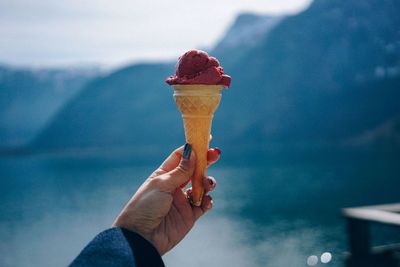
<point>50,33</point>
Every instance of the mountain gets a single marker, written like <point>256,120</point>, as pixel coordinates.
<point>29,97</point>
<point>326,76</point>
<point>245,33</point>
<point>88,120</point>
<point>132,106</point>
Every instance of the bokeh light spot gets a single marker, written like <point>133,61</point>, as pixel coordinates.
<point>326,257</point>
<point>312,260</point>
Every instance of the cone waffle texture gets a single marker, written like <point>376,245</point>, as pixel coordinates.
<point>197,104</point>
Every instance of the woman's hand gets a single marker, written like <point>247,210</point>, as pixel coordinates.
<point>160,211</point>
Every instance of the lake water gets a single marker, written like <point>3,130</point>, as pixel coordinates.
<point>272,213</point>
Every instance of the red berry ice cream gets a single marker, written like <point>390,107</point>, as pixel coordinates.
<point>196,67</point>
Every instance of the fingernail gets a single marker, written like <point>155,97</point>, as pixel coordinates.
<point>210,204</point>
<point>197,204</point>
<point>186,151</point>
<point>218,150</point>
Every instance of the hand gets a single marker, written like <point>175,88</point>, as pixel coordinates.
<point>160,211</point>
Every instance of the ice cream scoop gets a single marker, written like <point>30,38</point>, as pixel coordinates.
<point>197,84</point>
<point>196,67</point>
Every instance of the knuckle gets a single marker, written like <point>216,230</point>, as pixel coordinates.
<point>156,181</point>
<point>164,182</point>
<point>183,168</point>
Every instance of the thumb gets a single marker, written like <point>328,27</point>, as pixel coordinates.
<point>181,174</point>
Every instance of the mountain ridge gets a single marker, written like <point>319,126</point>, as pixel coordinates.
<point>29,96</point>
<point>311,80</point>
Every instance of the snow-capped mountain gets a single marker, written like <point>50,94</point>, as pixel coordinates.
<point>246,32</point>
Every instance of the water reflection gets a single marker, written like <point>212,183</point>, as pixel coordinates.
<point>266,215</point>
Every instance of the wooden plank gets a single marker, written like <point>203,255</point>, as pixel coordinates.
<point>385,248</point>
<point>372,215</point>
<point>393,207</point>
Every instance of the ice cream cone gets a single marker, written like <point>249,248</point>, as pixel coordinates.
<point>197,103</point>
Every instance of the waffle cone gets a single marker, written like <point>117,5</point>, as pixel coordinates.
<point>197,103</point>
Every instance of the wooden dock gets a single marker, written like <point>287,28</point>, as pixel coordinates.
<point>362,254</point>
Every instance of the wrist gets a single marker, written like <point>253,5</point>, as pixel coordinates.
<point>124,221</point>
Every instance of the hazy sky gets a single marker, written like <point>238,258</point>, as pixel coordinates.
<point>56,33</point>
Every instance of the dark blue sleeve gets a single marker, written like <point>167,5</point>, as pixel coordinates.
<point>118,247</point>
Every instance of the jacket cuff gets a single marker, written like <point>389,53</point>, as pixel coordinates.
<point>144,252</point>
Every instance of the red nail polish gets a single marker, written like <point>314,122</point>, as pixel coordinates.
<point>218,150</point>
